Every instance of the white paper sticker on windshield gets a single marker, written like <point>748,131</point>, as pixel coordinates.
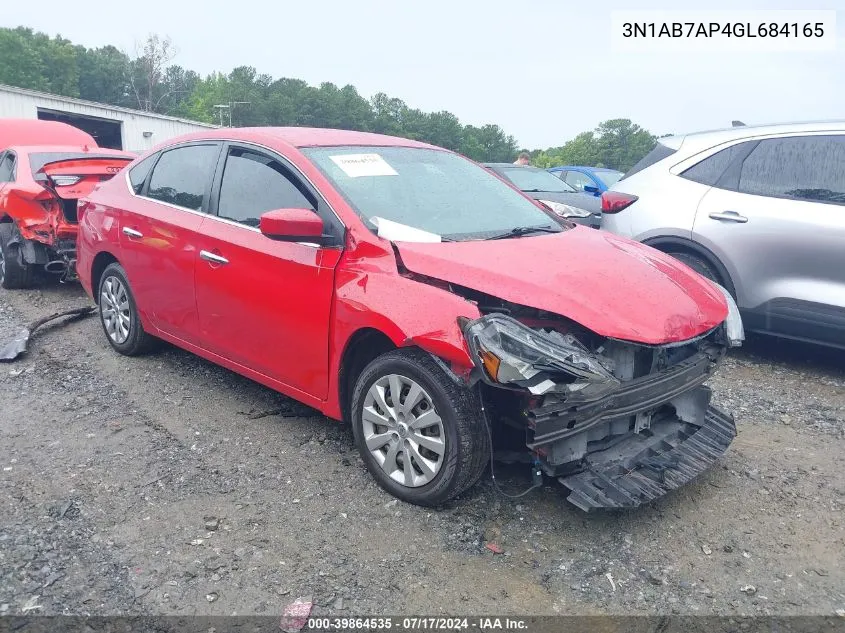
<point>397,232</point>
<point>356,165</point>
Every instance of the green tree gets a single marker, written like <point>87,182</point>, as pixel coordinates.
<point>20,63</point>
<point>150,82</point>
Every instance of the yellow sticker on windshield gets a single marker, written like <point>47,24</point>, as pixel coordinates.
<point>357,165</point>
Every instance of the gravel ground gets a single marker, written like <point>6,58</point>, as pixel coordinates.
<point>167,485</point>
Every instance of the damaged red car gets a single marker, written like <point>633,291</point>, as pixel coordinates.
<point>405,289</point>
<point>45,167</point>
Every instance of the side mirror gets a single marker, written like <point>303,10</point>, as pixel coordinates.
<point>592,189</point>
<point>292,225</point>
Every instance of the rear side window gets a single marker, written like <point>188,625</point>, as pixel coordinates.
<point>659,152</point>
<point>709,170</point>
<point>138,174</point>
<point>253,184</point>
<point>7,167</point>
<point>182,175</point>
<point>803,168</point>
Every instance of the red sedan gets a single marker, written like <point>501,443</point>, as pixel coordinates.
<point>45,167</point>
<point>405,289</point>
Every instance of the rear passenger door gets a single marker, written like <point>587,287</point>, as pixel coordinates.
<point>776,218</point>
<point>159,234</point>
<point>266,304</point>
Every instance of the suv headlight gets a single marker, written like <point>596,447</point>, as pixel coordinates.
<point>565,210</point>
<point>733,324</point>
<point>512,353</point>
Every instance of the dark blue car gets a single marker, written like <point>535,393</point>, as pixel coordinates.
<point>589,180</point>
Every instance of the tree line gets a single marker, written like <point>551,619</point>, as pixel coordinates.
<point>149,81</point>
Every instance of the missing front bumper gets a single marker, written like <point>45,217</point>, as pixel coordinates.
<point>645,466</point>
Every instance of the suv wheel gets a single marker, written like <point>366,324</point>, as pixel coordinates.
<point>698,264</point>
<point>419,433</point>
<point>14,273</point>
<point>119,314</point>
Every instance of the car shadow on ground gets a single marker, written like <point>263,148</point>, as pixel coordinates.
<point>761,348</point>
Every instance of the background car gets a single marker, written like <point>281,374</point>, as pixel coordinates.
<point>400,286</point>
<point>589,180</point>
<point>560,197</point>
<point>45,167</point>
<point>760,210</point>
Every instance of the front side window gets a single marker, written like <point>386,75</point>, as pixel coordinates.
<point>579,180</point>
<point>801,167</point>
<point>138,174</point>
<point>7,167</point>
<point>182,175</point>
<point>427,189</point>
<point>253,184</point>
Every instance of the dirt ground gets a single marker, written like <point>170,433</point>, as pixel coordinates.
<point>167,485</point>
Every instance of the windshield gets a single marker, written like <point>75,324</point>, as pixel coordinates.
<point>609,178</point>
<point>436,192</point>
<point>530,179</point>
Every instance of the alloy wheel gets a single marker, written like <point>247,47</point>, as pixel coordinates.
<point>114,310</point>
<point>403,431</point>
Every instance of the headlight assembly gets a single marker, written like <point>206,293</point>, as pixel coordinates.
<point>565,210</point>
<point>511,353</point>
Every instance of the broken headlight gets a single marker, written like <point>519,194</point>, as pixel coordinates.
<point>733,324</point>
<point>511,353</point>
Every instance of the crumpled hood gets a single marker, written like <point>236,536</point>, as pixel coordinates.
<point>611,285</point>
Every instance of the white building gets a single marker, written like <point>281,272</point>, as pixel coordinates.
<point>112,126</point>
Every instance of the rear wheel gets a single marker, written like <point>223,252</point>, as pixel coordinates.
<point>14,272</point>
<point>119,314</point>
<point>419,433</point>
<point>698,264</point>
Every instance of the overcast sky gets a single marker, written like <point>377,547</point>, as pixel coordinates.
<point>542,69</point>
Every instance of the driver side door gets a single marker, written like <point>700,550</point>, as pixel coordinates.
<point>264,304</point>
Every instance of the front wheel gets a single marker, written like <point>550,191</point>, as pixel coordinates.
<point>420,434</point>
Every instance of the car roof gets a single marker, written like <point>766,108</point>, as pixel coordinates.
<point>696,141</point>
<point>302,137</point>
<point>37,132</point>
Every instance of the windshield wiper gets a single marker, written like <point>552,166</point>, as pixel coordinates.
<point>519,231</point>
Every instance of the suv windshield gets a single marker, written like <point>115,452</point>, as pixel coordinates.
<point>434,191</point>
<point>534,179</point>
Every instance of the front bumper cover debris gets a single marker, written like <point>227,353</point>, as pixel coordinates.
<point>17,346</point>
<point>645,466</point>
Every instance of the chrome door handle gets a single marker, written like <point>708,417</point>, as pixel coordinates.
<point>213,258</point>
<point>730,216</point>
<point>132,232</point>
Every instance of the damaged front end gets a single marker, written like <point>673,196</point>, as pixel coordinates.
<point>617,422</point>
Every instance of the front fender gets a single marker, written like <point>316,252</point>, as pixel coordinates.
<point>408,312</point>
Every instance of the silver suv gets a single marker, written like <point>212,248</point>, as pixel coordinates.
<point>760,210</point>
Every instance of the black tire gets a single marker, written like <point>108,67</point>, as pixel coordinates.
<point>467,448</point>
<point>698,264</point>
<point>137,341</point>
<point>14,273</point>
